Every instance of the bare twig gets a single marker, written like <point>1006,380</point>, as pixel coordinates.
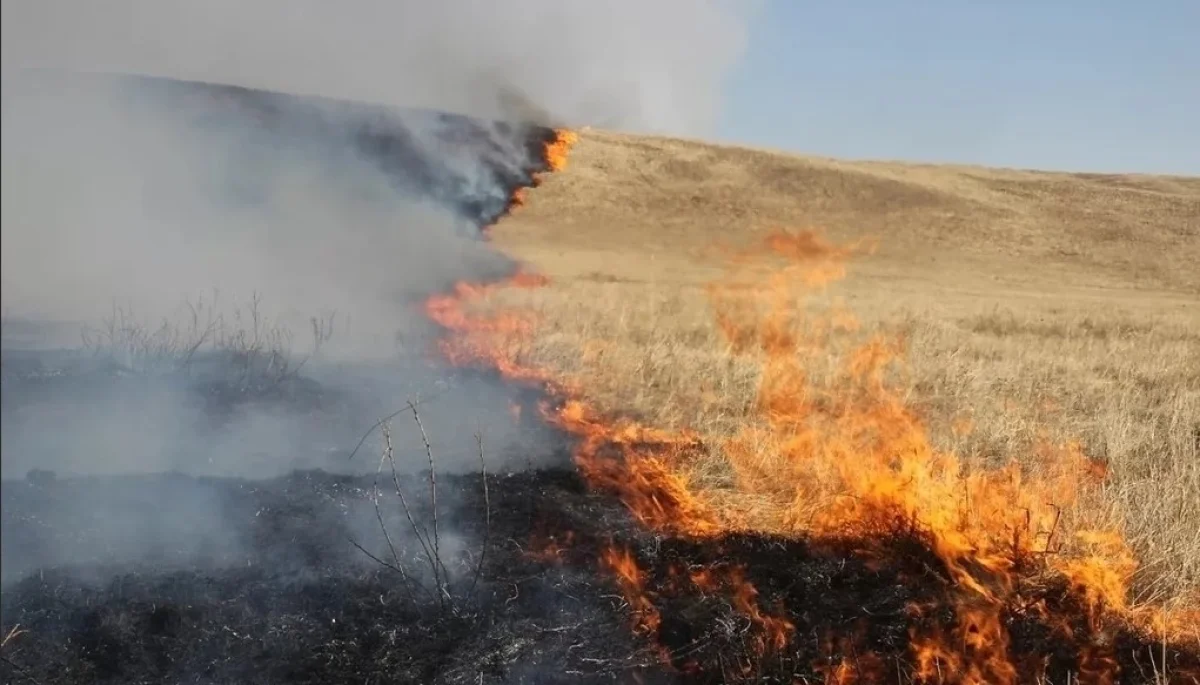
<point>21,670</point>
<point>378,424</point>
<point>422,537</point>
<point>12,635</point>
<point>437,554</point>
<point>258,350</point>
<point>322,330</point>
<point>487,513</point>
<point>399,566</point>
<point>430,541</point>
<point>381,562</point>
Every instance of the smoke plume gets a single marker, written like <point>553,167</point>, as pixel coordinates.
<point>655,66</point>
<point>240,246</point>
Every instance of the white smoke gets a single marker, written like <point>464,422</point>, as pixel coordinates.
<point>650,65</point>
<point>120,193</point>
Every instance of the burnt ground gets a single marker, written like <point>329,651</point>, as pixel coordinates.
<point>292,600</point>
<point>188,579</point>
<point>302,604</point>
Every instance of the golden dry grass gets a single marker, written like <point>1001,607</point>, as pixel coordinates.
<point>1032,305</point>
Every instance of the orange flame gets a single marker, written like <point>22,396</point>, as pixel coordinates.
<point>846,458</point>
<point>623,566</point>
<point>774,632</point>
<point>857,667</point>
<point>476,336</point>
<point>518,198</point>
<point>853,461</point>
<point>634,462</point>
<point>557,149</point>
<point>548,549</point>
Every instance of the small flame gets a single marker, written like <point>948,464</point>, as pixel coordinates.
<point>633,461</point>
<point>549,549</point>
<point>518,198</point>
<point>621,563</point>
<point>558,147</point>
<point>857,666</point>
<point>774,632</point>
<point>476,336</point>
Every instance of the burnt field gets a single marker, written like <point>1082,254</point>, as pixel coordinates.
<point>298,594</point>
<point>301,603</point>
<point>498,572</point>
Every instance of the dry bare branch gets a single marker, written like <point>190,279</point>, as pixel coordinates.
<point>487,514</point>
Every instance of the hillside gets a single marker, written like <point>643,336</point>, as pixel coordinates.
<point>951,228</point>
<point>1031,308</point>
<point>742,417</point>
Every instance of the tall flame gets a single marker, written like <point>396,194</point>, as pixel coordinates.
<point>846,459</point>
<point>557,149</point>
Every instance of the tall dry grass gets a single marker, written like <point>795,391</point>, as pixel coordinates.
<point>1035,308</point>
<point>991,383</point>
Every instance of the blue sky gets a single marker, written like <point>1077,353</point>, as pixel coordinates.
<point>1107,85</point>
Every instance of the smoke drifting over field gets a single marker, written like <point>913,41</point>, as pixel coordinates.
<point>215,239</point>
<point>216,268</point>
<point>651,66</point>
<point>247,269</point>
<point>134,201</point>
<point>247,265</point>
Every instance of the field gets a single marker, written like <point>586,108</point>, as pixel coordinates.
<point>1034,308</point>
<point>742,417</point>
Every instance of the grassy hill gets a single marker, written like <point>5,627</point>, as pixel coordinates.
<point>1032,306</point>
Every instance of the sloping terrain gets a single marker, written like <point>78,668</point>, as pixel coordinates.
<point>953,226</point>
<point>1011,354</point>
<point>965,449</point>
<point>1032,304</point>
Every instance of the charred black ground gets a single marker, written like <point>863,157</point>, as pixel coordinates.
<point>303,605</point>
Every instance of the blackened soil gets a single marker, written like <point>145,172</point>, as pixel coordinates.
<point>288,598</point>
<point>299,603</point>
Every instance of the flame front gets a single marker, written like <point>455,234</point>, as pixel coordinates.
<point>558,148</point>
<point>846,459</point>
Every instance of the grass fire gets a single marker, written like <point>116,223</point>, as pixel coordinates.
<point>760,418</point>
<point>1023,584</point>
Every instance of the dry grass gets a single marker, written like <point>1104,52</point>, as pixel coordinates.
<point>1033,305</point>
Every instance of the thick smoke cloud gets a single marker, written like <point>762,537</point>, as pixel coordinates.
<point>654,66</point>
<point>145,201</point>
<point>124,190</point>
<point>151,196</point>
<point>111,179</point>
<point>131,199</point>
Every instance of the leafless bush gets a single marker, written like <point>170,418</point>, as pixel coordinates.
<point>428,539</point>
<point>246,346</point>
